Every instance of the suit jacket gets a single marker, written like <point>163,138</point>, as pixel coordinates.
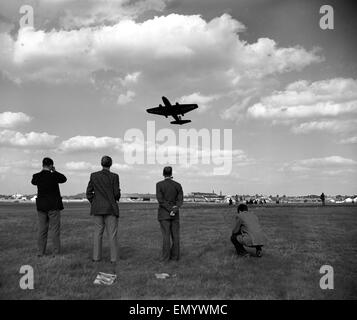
<point>247,224</point>
<point>103,192</point>
<point>168,193</point>
<point>48,192</point>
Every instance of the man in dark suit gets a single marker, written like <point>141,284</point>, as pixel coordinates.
<point>103,192</point>
<point>49,204</point>
<point>169,194</point>
<point>322,197</point>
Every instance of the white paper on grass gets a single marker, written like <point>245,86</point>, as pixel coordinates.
<point>164,275</point>
<point>105,278</point>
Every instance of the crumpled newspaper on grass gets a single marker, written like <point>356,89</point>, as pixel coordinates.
<point>105,278</point>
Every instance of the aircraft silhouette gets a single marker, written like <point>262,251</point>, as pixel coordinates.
<point>176,111</point>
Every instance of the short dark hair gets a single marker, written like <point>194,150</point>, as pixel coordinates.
<point>167,172</point>
<point>106,162</point>
<point>242,207</point>
<point>46,162</point>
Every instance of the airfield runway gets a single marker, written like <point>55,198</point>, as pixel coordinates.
<point>301,239</point>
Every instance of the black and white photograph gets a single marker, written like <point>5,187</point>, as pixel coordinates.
<point>178,150</point>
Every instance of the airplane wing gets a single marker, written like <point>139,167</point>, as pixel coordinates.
<point>177,109</point>
<point>162,111</point>
<point>183,108</point>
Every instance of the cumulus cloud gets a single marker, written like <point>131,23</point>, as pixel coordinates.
<point>81,166</point>
<point>90,143</point>
<point>76,14</point>
<point>203,101</point>
<point>236,111</point>
<point>4,169</point>
<point>202,51</point>
<point>331,163</point>
<point>87,166</point>
<point>349,140</point>
<point>303,99</point>
<point>130,78</point>
<point>126,98</point>
<point>15,167</point>
<point>79,14</point>
<point>27,140</point>
<point>339,172</point>
<point>207,58</point>
<point>121,167</point>
<point>326,106</point>
<point>331,109</point>
<point>336,126</point>
<point>327,161</point>
<point>112,84</point>
<point>13,119</point>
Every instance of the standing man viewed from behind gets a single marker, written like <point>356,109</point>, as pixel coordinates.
<point>49,205</point>
<point>103,192</point>
<point>322,197</point>
<point>169,194</point>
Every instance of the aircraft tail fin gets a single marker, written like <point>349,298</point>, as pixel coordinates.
<point>180,122</point>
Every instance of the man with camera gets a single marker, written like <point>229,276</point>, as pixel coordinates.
<point>49,205</point>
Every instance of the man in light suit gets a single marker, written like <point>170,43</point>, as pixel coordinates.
<point>103,192</point>
<point>169,194</point>
<point>49,205</point>
<point>247,232</point>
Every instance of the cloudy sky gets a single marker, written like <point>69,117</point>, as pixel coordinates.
<point>73,85</point>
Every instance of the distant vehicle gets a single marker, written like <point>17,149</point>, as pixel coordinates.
<point>176,111</point>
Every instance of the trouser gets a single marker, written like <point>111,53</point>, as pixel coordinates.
<point>109,222</point>
<point>239,247</point>
<point>170,230</point>
<point>46,220</point>
<point>237,241</point>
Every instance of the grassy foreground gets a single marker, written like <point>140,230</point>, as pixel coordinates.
<point>301,240</point>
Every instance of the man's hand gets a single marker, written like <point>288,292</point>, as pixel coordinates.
<point>174,211</point>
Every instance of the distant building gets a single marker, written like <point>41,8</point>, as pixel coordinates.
<point>204,197</point>
<point>133,197</point>
<point>19,197</point>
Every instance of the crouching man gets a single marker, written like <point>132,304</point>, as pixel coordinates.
<point>247,232</point>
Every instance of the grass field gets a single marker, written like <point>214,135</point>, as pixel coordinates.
<point>301,240</point>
